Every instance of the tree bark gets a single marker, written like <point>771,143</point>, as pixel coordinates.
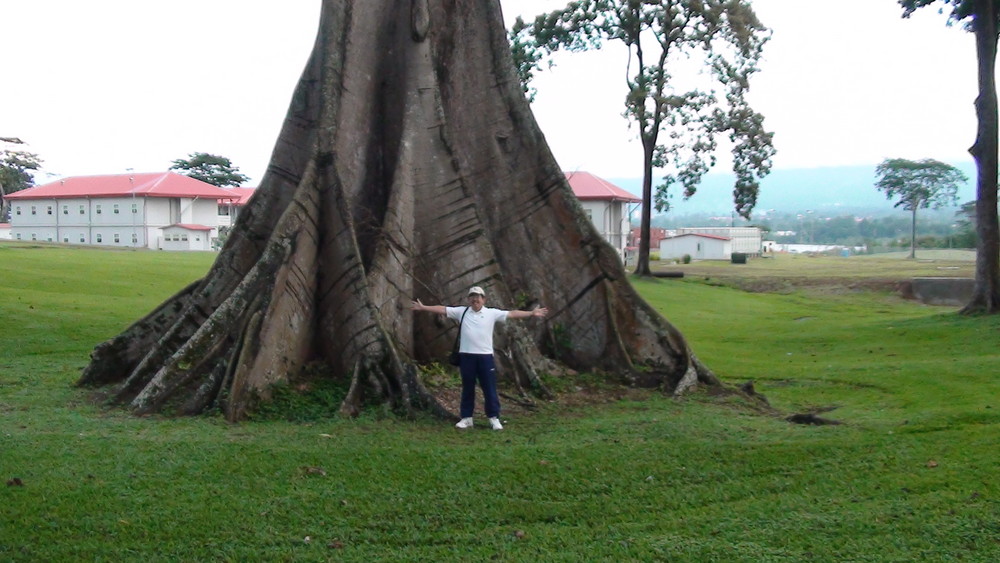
<point>986,294</point>
<point>913,233</point>
<point>642,261</point>
<point>409,166</point>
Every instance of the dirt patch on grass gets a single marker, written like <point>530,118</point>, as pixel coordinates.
<point>763,284</point>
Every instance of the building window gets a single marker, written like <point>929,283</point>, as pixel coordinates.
<point>34,211</point>
<point>184,238</point>
<point>116,209</point>
<point>18,210</point>
<point>48,210</point>
<point>197,239</point>
<point>223,210</point>
<point>117,238</point>
<point>135,238</point>
<point>18,236</point>
<point>65,239</point>
<point>65,210</point>
<point>81,210</point>
<point>98,209</point>
<point>98,237</point>
<point>82,238</point>
<point>34,237</point>
<point>135,208</point>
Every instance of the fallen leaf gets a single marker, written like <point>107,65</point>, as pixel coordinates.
<point>314,471</point>
<point>307,539</point>
<point>326,435</point>
<point>519,534</point>
<point>932,464</point>
<point>15,482</point>
<point>335,545</point>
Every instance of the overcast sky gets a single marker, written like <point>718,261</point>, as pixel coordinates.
<point>103,86</point>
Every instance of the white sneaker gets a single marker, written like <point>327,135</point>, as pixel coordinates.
<point>495,423</point>
<point>464,423</point>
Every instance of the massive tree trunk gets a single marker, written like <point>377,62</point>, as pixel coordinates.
<point>409,166</point>
<point>986,295</point>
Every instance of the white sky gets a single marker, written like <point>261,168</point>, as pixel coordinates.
<point>102,86</point>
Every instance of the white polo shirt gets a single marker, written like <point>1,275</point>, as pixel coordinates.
<point>477,328</point>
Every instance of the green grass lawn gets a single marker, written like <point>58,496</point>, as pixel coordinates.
<point>911,475</point>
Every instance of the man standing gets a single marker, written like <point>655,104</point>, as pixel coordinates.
<point>476,350</point>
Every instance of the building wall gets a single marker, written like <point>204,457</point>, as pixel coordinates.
<point>179,238</point>
<point>698,248</point>
<point>748,240</point>
<point>124,222</point>
<point>611,220</point>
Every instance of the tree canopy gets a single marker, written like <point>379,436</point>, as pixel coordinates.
<point>724,35</point>
<point>209,168</point>
<point>920,184</point>
<point>17,169</point>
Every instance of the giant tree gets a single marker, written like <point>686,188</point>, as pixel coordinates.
<point>981,18</point>
<point>727,39</point>
<point>409,166</point>
<point>922,184</point>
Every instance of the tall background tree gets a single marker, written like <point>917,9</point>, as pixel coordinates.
<point>209,168</point>
<point>922,184</point>
<point>980,17</point>
<point>17,169</point>
<point>724,35</point>
<point>409,166</point>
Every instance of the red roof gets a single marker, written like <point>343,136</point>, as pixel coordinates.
<point>189,227</point>
<point>244,195</point>
<point>703,235</point>
<point>158,184</point>
<point>586,186</point>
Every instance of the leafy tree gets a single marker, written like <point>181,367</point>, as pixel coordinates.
<point>16,168</point>
<point>965,222</point>
<point>981,17</point>
<point>209,168</point>
<point>418,184</point>
<point>921,184</point>
<point>728,39</point>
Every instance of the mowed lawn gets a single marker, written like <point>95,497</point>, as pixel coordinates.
<point>910,475</point>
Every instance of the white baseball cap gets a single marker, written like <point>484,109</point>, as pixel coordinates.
<point>476,290</point>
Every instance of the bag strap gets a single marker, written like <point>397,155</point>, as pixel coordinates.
<point>458,337</point>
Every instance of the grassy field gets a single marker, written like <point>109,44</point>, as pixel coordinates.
<point>910,475</point>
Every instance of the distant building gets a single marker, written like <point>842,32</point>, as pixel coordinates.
<point>229,210</point>
<point>161,210</point>
<point>606,205</point>
<point>656,234</point>
<point>5,231</point>
<point>712,243</point>
<point>745,240</point>
<point>696,245</point>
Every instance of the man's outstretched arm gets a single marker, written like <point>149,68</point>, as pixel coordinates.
<point>418,306</point>
<point>537,312</point>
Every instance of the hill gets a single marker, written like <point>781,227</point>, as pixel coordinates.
<point>834,190</point>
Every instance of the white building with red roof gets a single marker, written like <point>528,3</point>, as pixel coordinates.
<point>712,243</point>
<point>607,205</point>
<point>124,210</point>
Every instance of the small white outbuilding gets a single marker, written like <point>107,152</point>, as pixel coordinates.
<point>696,245</point>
